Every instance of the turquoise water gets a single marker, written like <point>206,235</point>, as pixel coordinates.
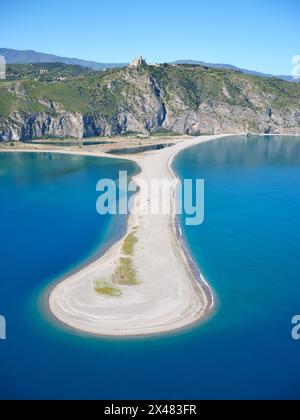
<point>248,249</point>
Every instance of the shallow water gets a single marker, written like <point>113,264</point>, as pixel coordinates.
<point>248,249</point>
<point>139,149</point>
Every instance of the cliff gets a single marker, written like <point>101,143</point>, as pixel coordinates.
<point>178,99</point>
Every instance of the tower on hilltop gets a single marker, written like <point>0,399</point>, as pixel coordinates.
<point>138,62</point>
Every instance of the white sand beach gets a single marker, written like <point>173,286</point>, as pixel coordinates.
<point>169,296</point>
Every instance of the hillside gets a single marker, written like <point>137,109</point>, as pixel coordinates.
<point>178,99</point>
<point>231,67</point>
<point>55,71</point>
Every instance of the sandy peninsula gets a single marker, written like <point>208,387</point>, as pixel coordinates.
<point>165,293</point>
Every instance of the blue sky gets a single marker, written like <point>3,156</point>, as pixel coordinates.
<point>260,35</point>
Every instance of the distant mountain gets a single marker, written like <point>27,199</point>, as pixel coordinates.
<point>231,67</point>
<point>30,57</point>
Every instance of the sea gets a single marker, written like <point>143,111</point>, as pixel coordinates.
<point>247,249</point>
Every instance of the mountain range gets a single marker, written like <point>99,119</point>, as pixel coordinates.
<point>231,67</point>
<point>32,57</point>
<point>29,57</point>
<point>184,99</point>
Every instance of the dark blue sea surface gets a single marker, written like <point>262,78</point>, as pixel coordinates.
<point>248,250</point>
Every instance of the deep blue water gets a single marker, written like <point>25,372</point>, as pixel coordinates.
<point>248,249</point>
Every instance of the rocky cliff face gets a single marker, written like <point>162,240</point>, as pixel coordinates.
<point>209,120</point>
<point>218,119</point>
<point>26,127</point>
<point>178,100</point>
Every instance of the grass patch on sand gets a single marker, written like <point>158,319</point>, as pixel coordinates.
<point>129,243</point>
<point>125,274</point>
<point>106,289</point>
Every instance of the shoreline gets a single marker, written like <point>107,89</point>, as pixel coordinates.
<point>196,298</point>
<point>195,269</point>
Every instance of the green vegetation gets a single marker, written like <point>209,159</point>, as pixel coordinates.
<point>90,93</point>
<point>55,71</point>
<point>196,84</point>
<point>104,288</point>
<point>114,91</point>
<point>7,102</point>
<point>162,132</point>
<point>129,244</point>
<point>63,93</point>
<point>125,274</point>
